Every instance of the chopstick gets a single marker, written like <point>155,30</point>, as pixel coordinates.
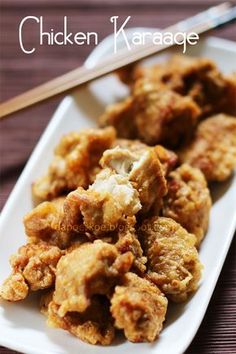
<point>200,23</point>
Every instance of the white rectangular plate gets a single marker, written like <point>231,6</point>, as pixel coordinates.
<point>22,327</point>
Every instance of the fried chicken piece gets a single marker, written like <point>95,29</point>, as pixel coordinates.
<point>94,325</point>
<point>126,240</point>
<point>159,116</point>
<point>72,218</point>
<point>120,116</point>
<point>168,158</point>
<point>139,308</point>
<point>75,163</point>
<point>14,288</point>
<point>213,149</point>
<point>109,199</point>
<point>198,78</point>
<point>33,268</point>
<point>173,263</point>
<point>142,168</point>
<point>58,223</point>
<point>188,201</point>
<point>91,269</point>
<point>163,116</point>
<point>44,223</point>
<point>119,196</point>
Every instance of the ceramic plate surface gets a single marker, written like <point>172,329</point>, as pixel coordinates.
<point>22,327</point>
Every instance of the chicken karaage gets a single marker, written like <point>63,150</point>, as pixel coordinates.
<point>75,163</point>
<point>142,168</point>
<point>109,199</point>
<point>126,240</point>
<point>33,268</point>
<point>159,116</point>
<point>213,148</point>
<point>188,200</point>
<point>167,158</point>
<point>139,308</point>
<point>173,262</point>
<point>91,269</point>
<point>45,223</point>
<point>198,78</point>
<point>94,325</point>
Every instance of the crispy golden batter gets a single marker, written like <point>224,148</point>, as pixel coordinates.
<point>94,325</point>
<point>139,308</point>
<point>163,116</point>
<point>198,78</point>
<point>120,116</point>
<point>75,163</point>
<point>44,223</point>
<point>188,201</point>
<point>126,240</point>
<point>33,268</point>
<point>173,263</point>
<point>168,158</point>
<point>14,288</point>
<point>91,269</point>
<point>142,168</point>
<point>72,217</point>
<point>213,149</point>
<point>109,199</point>
<point>158,116</point>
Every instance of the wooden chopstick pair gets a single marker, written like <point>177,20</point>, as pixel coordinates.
<point>200,23</point>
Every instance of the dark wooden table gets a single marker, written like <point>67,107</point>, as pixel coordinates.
<point>19,134</point>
